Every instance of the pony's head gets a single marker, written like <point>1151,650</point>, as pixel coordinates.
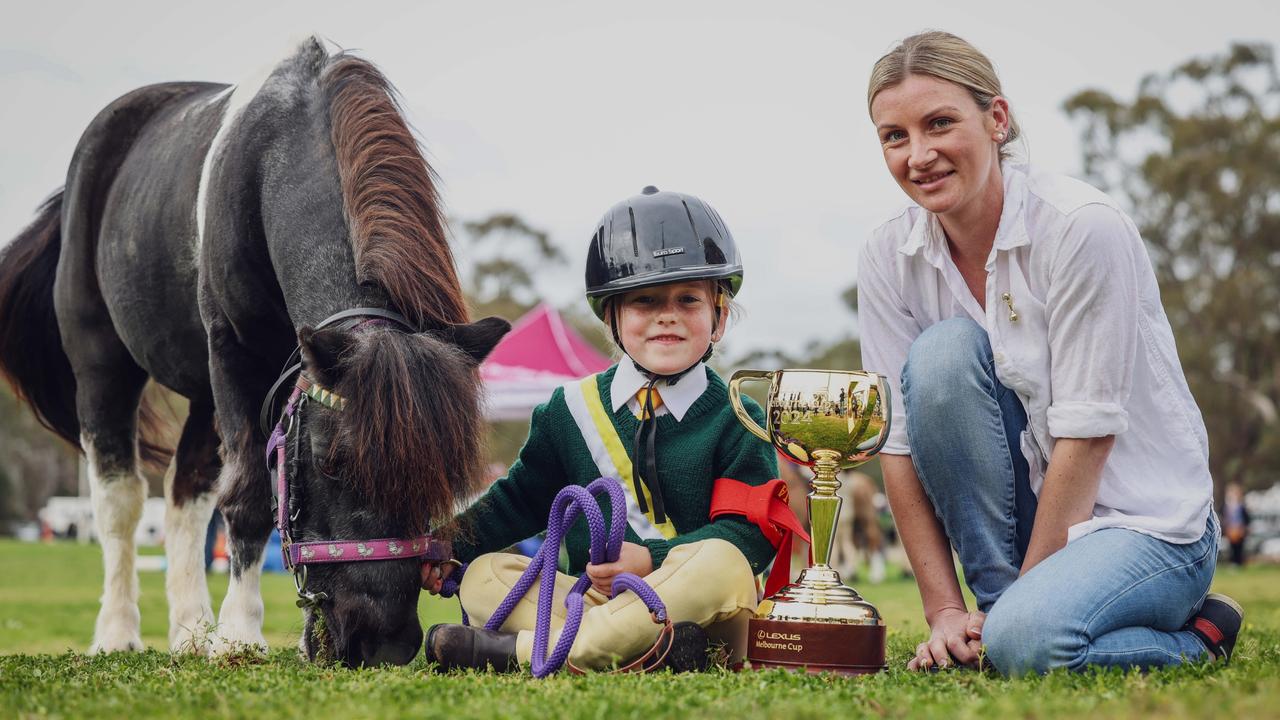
<point>405,447</point>
<point>403,451</point>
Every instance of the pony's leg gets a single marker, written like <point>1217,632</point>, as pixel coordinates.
<point>875,547</point>
<point>876,569</point>
<point>189,502</point>
<point>107,405</point>
<point>246,507</point>
<point>245,491</point>
<point>247,510</point>
<point>847,564</point>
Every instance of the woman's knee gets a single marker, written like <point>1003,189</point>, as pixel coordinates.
<point>1020,637</point>
<point>943,357</point>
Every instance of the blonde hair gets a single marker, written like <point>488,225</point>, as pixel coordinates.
<point>946,57</point>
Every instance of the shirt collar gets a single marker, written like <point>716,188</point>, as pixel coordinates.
<point>927,233</point>
<point>1012,231</point>
<point>676,398</point>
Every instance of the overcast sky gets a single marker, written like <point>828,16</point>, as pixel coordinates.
<point>557,110</point>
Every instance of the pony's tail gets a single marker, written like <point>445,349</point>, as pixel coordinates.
<point>31,354</point>
<point>158,425</point>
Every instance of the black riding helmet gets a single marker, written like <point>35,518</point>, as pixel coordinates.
<point>656,238</point>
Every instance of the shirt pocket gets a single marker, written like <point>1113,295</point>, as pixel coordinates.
<point>1020,346</point>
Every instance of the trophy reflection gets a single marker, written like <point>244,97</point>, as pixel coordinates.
<point>828,421</point>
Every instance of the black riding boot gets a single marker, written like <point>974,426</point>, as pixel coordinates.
<point>452,646</point>
<point>689,650</point>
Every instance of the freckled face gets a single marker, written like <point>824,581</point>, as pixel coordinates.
<point>667,328</point>
<point>938,144</point>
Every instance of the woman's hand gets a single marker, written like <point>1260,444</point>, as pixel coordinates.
<point>633,558</point>
<point>956,634</point>
<point>955,637</point>
<point>434,575</point>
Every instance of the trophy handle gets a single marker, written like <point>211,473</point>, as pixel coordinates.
<point>877,397</point>
<point>864,413</point>
<point>735,399</point>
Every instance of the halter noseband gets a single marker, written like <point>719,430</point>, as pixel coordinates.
<point>298,555</point>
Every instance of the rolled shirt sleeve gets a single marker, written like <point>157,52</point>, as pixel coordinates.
<point>1093,315</point>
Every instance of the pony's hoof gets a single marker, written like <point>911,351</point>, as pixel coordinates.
<point>116,644</point>
<point>117,630</point>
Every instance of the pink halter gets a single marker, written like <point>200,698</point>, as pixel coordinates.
<point>298,555</point>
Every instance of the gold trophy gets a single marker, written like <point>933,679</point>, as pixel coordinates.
<point>829,421</point>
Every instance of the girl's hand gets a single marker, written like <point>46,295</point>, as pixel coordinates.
<point>955,637</point>
<point>633,558</point>
<point>434,574</point>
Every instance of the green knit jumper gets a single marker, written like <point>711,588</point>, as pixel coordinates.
<point>709,443</point>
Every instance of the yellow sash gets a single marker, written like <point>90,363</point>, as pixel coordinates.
<point>607,449</point>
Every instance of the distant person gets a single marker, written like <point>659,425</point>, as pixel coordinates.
<point>1042,425</point>
<point>1235,522</point>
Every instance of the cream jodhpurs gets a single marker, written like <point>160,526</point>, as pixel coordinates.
<point>707,582</point>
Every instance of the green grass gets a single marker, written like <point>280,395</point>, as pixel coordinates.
<point>48,601</point>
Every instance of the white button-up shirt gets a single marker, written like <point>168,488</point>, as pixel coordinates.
<point>676,399</point>
<point>1091,352</point>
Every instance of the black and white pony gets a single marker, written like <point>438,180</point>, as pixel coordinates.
<point>204,232</point>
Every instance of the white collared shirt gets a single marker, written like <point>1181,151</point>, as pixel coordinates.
<point>1091,352</point>
<point>676,399</point>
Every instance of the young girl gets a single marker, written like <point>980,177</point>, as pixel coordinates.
<point>1046,431</point>
<point>661,270</point>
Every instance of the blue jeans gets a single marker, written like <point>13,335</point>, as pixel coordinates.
<point>1114,597</point>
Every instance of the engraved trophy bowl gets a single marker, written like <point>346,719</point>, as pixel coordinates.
<point>828,421</point>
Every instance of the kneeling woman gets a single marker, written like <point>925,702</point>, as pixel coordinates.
<point>1043,427</point>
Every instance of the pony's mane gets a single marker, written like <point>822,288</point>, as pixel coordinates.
<point>413,427</point>
<point>389,194</point>
<point>412,431</point>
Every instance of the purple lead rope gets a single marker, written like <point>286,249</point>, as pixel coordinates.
<point>606,544</point>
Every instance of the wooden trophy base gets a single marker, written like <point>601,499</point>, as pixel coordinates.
<point>834,647</point>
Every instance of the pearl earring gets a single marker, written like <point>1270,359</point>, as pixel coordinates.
<point>999,137</point>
